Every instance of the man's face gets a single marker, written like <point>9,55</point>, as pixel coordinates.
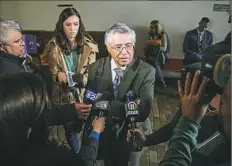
<point>121,48</point>
<point>225,110</point>
<point>204,24</point>
<point>71,27</point>
<point>15,45</point>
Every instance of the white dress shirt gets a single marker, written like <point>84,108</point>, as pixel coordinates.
<point>114,66</point>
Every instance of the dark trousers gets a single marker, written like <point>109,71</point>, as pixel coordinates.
<point>155,62</point>
<point>114,151</point>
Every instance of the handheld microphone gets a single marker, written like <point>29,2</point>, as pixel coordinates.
<point>91,92</point>
<point>75,79</point>
<point>132,111</point>
<point>131,108</point>
<point>93,87</point>
<point>102,104</point>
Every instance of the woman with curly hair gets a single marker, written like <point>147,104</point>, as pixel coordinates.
<point>157,48</point>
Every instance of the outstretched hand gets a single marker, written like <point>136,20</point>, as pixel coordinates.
<point>191,96</point>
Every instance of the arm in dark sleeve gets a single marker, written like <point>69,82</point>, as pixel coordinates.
<point>181,144</point>
<point>89,149</point>
<point>60,115</point>
<point>164,133</point>
<point>210,39</point>
<point>189,53</point>
<point>146,94</point>
<point>164,43</point>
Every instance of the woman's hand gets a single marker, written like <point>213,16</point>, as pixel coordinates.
<point>62,77</point>
<point>99,124</point>
<point>154,42</point>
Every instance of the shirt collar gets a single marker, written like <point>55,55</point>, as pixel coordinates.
<point>114,66</point>
<point>200,32</point>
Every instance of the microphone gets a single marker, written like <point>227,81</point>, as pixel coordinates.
<point>132,111</point>
<point>117,111</point>
<point>102,104</point>
<point>100,108</point>
<point>93,88</point>
<point>75,79</point>
<point>131,108</point>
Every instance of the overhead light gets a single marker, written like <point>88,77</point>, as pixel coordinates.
<point>65,5</point>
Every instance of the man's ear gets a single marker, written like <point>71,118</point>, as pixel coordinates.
<point>108,48</point>
<point>1,47</point>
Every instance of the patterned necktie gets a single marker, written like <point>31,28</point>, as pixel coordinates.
<point>201,43</point>
<point>119,74</point>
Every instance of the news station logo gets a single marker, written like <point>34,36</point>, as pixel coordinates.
<point>132,105</point>
<point>90,96</point>
<point>132,109</point>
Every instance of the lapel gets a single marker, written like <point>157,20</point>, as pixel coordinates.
<point>127,80</point>
<point>60,59</point>
<point>197,37</point>
<point>107,74</point>
<point>205,38</point>
<point>83,57</point>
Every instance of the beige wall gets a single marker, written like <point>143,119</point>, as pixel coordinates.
<point>177,17</point>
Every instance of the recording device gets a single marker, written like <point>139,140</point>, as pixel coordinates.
<point>102,105</point>
<point>75,80</point>
<point>132,111</point>
<point>214,65</point>
<point>100,108</point>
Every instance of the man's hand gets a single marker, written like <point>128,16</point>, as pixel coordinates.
<point>83,110</point>
<point>98,124</point>
<point>62,77</point>
<point>139,132</point>
<point>191,97</point>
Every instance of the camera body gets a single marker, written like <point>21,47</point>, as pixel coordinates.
<point>215,65</point>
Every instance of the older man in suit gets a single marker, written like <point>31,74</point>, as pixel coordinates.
<point>196,41</point>
<point>124,73</point>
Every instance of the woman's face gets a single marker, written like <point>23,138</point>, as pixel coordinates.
<point>153,28</point>
<point>71,27</point>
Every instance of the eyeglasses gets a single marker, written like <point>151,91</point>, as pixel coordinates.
<point>120,47</point>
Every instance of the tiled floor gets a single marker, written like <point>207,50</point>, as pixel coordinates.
<point>164,108</point>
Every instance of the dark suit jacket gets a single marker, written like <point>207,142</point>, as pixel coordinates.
<point>138,77</point>
<point>191,45</point>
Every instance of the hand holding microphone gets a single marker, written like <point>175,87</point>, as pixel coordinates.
<point>98,124</point>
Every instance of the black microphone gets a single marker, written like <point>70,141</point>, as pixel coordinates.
<point>131,108</point>
<point>117,111</point>
<point>132,111</point>
<point>94,87</point>
<point>75,80</point>
<point>102,104</point>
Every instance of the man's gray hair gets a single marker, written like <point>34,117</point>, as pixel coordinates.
<point>5,27</point>
<point>119,28</point>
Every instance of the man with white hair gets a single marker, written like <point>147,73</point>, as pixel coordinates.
<point>123,72</point>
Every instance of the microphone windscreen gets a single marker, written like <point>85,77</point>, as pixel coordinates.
<point>131,96</point>
<point>107,96</point>
<point>117,110</point>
